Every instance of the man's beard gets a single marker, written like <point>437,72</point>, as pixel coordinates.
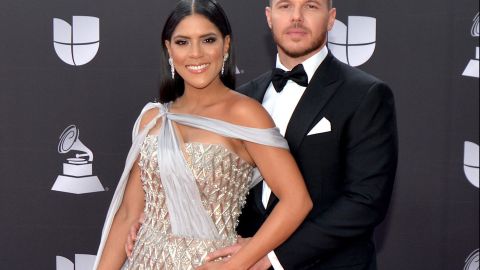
<point>313,46</point>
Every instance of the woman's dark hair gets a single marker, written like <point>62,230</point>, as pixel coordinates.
<point>171,89</point>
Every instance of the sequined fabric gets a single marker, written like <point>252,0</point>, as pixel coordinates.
<point>222,178</point>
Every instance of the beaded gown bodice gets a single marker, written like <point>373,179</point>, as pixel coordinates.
<point>193,191</point>
<point>222,178</point>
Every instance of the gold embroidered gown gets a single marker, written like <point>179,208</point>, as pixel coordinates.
<point>222,178</point>
<point>194,192</point>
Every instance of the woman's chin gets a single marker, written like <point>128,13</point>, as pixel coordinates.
<point>200,83</point>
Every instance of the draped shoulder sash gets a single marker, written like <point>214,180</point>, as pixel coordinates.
<point>187,215</point>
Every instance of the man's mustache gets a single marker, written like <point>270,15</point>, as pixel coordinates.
<point>297,26</point>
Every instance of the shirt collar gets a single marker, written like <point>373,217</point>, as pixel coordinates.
<point>311,64</point>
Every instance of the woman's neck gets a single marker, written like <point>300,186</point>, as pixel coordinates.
<point>195,100</point>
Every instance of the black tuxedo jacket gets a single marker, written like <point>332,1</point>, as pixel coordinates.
<point>349,171</point>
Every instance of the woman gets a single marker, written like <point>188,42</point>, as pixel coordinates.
<point>196,154</point>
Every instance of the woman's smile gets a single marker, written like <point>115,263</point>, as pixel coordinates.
<point>196,69</point>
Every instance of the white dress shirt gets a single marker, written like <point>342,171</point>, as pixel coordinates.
<point>281,106</point>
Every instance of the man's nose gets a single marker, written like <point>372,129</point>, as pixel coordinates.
<point>297,14</point>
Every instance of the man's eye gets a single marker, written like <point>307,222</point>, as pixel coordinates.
<point>284,6</point>
<point>312,7</point>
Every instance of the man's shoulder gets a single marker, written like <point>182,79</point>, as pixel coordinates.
<point>252,85</point>
<point>355,75</point>
<point>357,82</point>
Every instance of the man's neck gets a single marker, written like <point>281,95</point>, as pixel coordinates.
<point>290,62</point>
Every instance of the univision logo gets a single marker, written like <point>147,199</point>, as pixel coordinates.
<point>471,163</point>
<point>76,44</point>
<point>353,44</point>
<point>82,262</point>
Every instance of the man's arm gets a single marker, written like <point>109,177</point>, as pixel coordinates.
<point>370,165</point>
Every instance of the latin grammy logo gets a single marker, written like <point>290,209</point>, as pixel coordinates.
<point>472,261</point>
<point>472,68</point>
<point>77,177</point>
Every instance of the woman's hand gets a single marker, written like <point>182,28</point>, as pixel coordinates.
<point>132,235</point>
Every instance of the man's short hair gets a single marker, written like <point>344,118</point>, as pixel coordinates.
<point>330,3</point>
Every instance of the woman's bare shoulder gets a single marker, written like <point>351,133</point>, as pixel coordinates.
<point>248,112</point>
<point>148,116</point>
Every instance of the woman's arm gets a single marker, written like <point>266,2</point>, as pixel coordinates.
<point>114,256</point>
<point>133,203</point>
<point>281,173</point>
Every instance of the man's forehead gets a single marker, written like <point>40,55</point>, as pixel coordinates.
<point>280,1</point>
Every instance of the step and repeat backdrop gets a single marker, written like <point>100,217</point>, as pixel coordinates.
<point>75,74</point>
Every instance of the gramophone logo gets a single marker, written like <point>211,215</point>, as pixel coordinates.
<point>472,68</point>
<point>353,44</point>
<point>76,44</point>
<point>77,177</point>
<point>471,163</point>
<point>471,263</point>
<point>82,262</point>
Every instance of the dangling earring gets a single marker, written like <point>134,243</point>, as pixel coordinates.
<point>225,58</point>
<point>172,68</point>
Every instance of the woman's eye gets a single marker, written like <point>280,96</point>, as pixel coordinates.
<point>180,42</point>
<point>210,40</point>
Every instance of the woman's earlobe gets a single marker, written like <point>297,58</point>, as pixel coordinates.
<point>227,44</point>
<point>167,45</point>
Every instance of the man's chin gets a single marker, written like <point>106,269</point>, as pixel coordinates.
<point>296,53</point>
<point>299,46</point>
<point>296,50</point>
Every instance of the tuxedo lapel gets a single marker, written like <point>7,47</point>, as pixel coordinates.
<point>261,85</point>
<point>272,201</point>
<point>321,88</point>
<point>319,91</point>
<point>257,195</point>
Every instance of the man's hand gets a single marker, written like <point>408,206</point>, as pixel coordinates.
<point>263,264</point>
<point>132,235</point>
<point>213,266</point>
<point>226,252</point>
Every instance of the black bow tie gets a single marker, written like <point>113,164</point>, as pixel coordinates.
<point>281,77</point>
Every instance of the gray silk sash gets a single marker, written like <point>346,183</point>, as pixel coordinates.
<point>187,215</point>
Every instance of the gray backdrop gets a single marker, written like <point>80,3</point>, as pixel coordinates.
<point>421,49</point>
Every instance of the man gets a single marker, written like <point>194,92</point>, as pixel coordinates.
<point>342,132</point>
<point>340,125</point>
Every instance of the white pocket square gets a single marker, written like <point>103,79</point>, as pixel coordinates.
<point>321,127</point>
